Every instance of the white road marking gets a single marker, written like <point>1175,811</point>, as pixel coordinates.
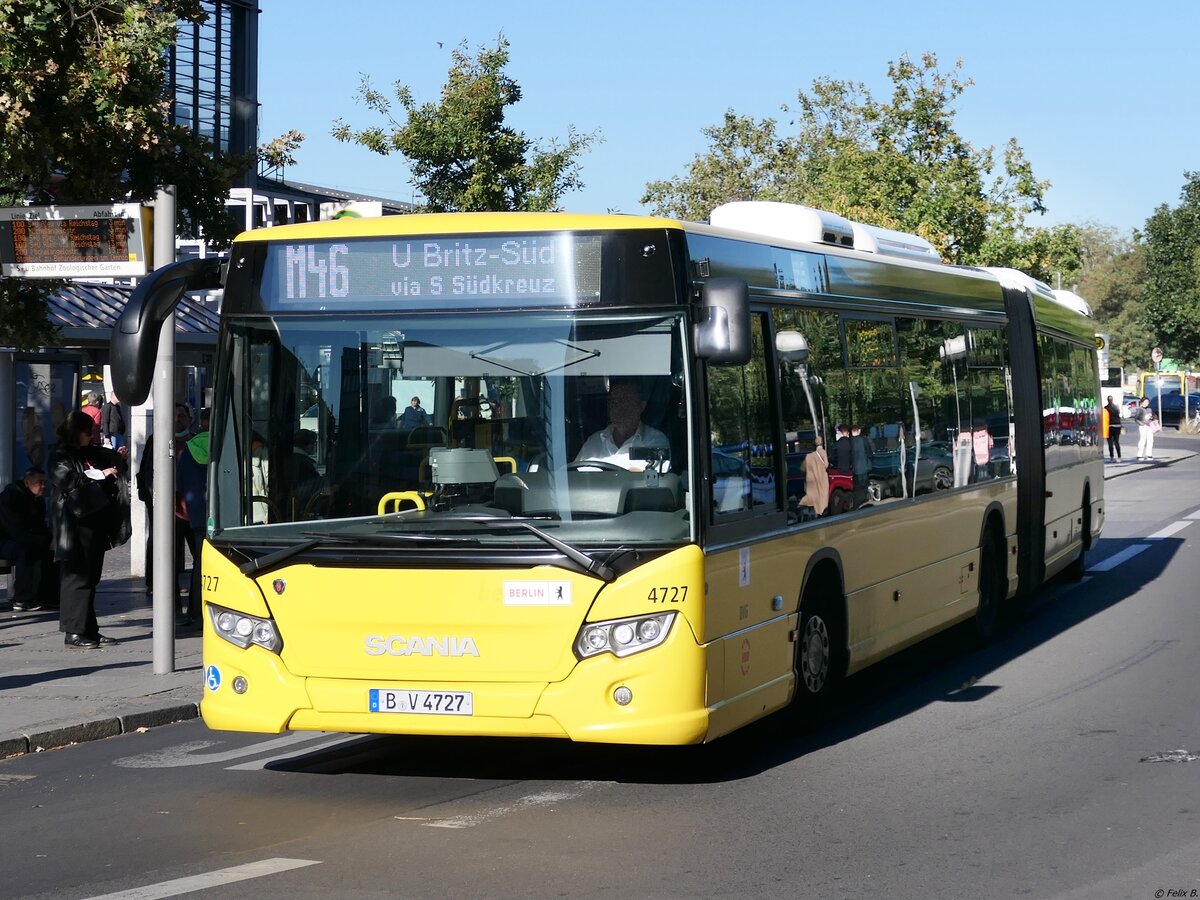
<point>315,748</point>
<point>179,755</point>
<point>1133,550</point>
<point>543,798</point>
<point>1173,528</point>
<point>210,879</point>
<point>1116,559</point>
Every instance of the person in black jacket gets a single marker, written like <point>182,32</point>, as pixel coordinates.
<point>112,423</point>
<point>1114,429</point>
<point>25,540</point>
<point>145,492</point>
<point>90,514</point>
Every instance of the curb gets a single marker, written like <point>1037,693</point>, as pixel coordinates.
<point>1111,473</point>
<point>37,741</point>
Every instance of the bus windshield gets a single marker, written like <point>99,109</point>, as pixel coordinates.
<point>453,425</point>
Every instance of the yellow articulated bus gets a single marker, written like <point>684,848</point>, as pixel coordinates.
<point>611,478</point>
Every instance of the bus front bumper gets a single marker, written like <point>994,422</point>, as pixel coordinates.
<point>252,690</point>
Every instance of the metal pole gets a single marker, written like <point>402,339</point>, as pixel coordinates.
<point>1158,390</point>
<point>163,526</point>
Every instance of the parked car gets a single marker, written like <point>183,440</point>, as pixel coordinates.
<point>1129,405</point>
<point>1173,406</point>
<point>934,471</point>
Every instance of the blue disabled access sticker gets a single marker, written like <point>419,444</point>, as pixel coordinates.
<point>212,678</point>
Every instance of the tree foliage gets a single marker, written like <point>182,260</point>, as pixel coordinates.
<point>462,155</point>
<point>1171,301</point>
<point>280,152</point>
<point>898,163</point>
<point>1110,279</point>
<point>84,118</point>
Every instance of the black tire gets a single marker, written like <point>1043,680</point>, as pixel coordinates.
<point>1074,572</point>
<point>991,591</point>
<point>820,652</point>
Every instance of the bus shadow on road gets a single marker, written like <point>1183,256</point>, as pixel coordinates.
<point>941,669</point>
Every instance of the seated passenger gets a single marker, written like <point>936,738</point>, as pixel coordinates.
<point>414,415</point>
<point>383,413</point>
<point>625,431</point>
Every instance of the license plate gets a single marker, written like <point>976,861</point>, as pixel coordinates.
<point>437,703</point>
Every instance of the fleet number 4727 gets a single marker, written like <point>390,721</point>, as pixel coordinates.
<point>671,594</point>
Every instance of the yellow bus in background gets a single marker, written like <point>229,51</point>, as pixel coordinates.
<point>1154,384</point>
<point>409,534</point>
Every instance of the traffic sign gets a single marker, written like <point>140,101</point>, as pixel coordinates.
<point>1156,355</point>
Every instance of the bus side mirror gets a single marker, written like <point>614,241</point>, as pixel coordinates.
<point>134,345</point>
<point>722,336</point>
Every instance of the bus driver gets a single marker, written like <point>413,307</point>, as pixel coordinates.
<point>625,430</point>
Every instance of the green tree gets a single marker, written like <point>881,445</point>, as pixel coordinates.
<point>462,155</point>
<point>1111,280</point>
<point>84,118</point>
<point>1171,298</point>
<point>898,163</point>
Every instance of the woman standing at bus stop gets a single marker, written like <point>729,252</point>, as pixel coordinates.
<point>1147,424</point>
<point>90,513</point>
<point>1114,429</point>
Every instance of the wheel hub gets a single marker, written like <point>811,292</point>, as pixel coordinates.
<point>814,654</point>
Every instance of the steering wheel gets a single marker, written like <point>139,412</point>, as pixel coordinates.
<point>595,464</point>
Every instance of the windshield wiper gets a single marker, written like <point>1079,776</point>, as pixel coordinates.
<point>583,563</point>
<point>260,564</point>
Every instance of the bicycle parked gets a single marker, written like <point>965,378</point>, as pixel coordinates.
<point>1191,424</point>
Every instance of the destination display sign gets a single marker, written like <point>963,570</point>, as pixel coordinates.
<point>73,241</point>
<point>433,272</point>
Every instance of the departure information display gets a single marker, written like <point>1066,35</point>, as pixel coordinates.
<point>73,241</point>
<point>438,272</point>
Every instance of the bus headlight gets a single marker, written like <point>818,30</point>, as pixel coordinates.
<point>243,630</point>
<point>622,637</point>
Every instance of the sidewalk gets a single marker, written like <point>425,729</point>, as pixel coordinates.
<point>51,696</point>
<point>1162,457</point>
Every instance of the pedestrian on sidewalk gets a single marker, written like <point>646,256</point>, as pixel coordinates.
<point>95,400</point>
<point>191,481</point>
<point>90,514</point>
<point>25,540</point>
<point>112,423</point>
<point>145,491</point>
<point>1147,424</point>
<point>1114,428</point>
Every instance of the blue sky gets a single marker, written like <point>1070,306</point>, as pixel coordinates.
<point>1102,96</point>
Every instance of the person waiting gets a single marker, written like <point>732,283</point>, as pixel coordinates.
<point>625,431</point>
<point>25,541</point>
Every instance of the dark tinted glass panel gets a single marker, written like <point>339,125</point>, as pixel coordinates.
<point>742,455</point>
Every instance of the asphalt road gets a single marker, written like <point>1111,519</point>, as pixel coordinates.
<point>1061,762</point>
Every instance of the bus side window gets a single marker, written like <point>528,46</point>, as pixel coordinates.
<point>802,400</point>
<point>742,457</point>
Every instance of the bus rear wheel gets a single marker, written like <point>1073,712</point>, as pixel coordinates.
<point>991,590</point>
<point>820,652</point>
<point>1074,572</point>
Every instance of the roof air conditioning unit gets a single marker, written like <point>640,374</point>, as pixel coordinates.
<point>785,221</point>
<point>887,242</point>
